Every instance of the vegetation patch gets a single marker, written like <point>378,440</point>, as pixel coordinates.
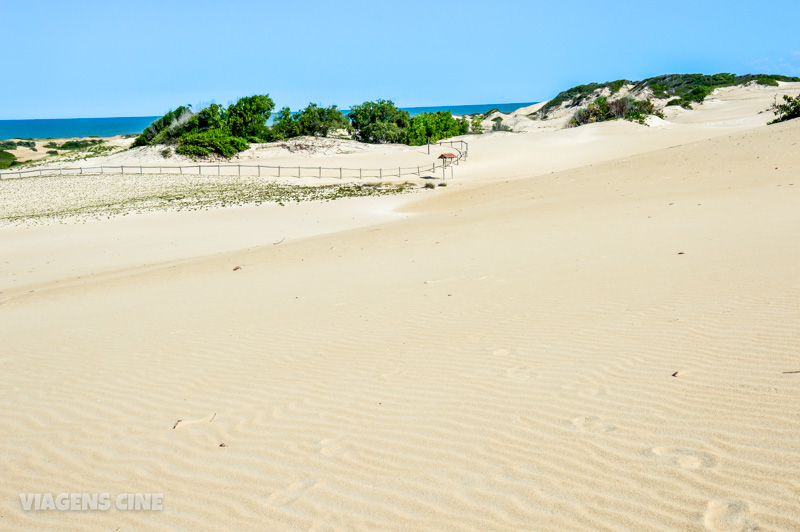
<point>38,200</point>
<point>682,89</point>
<point>788,110</point>
<point>626,108</point>
<point>7,159</point>
<point>76,144</point>
<point>227,131</point>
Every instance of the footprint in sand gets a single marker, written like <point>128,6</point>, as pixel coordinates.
<point>519,373</point>
<point>391,375</point>
<point>331,447</point>
<point>728,515</point>
<point>592,392</point>
<point>685,458</point>
<point>292,493</point>
<point>183,423</point>
<point>591,424</point>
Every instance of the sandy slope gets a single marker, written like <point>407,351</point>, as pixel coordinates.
<point>501,360</point>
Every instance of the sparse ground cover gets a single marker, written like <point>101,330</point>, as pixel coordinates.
<point>46,199</point>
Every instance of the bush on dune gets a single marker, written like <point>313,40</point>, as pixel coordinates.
<point>202,143</point>
<point>6,159</point>
<point>432,127</point>
<point>379,121</point>
<point>626,108</point>
<point>313,121</point>
<point>788,110</point>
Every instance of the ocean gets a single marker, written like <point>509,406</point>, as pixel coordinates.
<point>108,127</point>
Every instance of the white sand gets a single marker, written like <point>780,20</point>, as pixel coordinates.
<point>501,360</point>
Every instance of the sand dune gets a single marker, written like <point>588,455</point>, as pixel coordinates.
<point>590,329</point>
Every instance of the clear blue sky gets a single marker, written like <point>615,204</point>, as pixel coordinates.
<point>77,58</point>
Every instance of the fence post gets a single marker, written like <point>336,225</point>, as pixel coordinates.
<point>20,174</point>
<point>180,170</point>
<point>359,173</point>
<point>320,172</point>
<point>279,171</point>
<point>218,170</point>
<point>299,172</point>
<point>398,172</point>
<point>380,170</point>
<point>417,170</point>
<point>259,170</point>
<point>140,171</point>
<point>59,171</point>
<point>239,169</point>
<point>160,170</point>
<point>443,176</point>
<point>340,172</point>
<point>102,170</point>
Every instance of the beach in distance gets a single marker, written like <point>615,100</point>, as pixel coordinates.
<point>581,320</point>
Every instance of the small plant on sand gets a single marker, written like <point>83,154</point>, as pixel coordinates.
<point>430,185</point>
<point>475,125</point>
<point>52,152</point>
<point>498,125</point>
<point>166,153</point>
<point>442,184</point>
<point>788,110</point>
<point>8,145</point>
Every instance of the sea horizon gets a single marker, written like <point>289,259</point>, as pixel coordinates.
<point>46,128</point>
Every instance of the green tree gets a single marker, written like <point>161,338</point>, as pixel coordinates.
<point>285,126</point>
<point>319,121</point>
<point>379,121</point>
<point>432,127</point>
<point>247,118</point>
<point>476,125</point>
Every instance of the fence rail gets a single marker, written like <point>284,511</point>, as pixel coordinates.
<point>260,170</point>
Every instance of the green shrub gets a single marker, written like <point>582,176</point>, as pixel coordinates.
<point>313,121</point>
<point>166,153</point>
<point>379,121</point>
<point>79,144</point>
<point>498,125</point>
<point>476,125</point>
<point>626,107</point>
<point>164,129</point>
<point>52,152</point>
<point>51,145</point>
<point>6,159</point>
<point>27,144</point>
<point>220,141</point>
<point>248,116</point>
<point>787,111</point>
<point>433,127</point>
<point>8,145</point>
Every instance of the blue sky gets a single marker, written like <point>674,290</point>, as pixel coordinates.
<point>95,59</point>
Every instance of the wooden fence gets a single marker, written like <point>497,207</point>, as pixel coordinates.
<point>459,146</point>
